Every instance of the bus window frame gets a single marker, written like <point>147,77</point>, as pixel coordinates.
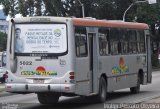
<point>43,54</point>
<point>112,40</point>
<point>141,41</point>
<point>134,42</point>
<point>81,56</point>
<point>107,38</point>
<point>123,32</point>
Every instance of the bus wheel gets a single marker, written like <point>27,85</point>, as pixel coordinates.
<point>48,98</point>
<point>101,97</point>
<point>136,89</point>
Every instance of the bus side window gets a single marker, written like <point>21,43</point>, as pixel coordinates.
<point>103,35</point>
<point>114,39</point>
<point>124,41</point>
<point>140,41</point>
<point>81,42</point>
<point>132,41</point>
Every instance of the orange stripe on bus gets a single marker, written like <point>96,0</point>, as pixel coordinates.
<point>103,23</point>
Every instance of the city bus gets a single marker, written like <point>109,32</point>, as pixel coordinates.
<point>63,56</point>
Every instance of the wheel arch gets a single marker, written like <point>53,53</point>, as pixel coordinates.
<point>103,75</point>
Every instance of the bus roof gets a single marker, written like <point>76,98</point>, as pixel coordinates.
<point>86,22</point>
<point>108,23</point>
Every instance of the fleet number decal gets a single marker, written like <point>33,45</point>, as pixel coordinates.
<point>25,62</point>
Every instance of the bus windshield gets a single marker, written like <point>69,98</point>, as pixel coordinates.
<point>40,38</point>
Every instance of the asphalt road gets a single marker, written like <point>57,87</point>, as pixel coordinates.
<point>29,101</point>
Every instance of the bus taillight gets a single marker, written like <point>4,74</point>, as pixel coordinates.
<point>6,75</point>
<point>71,75</point>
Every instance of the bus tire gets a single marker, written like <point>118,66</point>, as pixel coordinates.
<point>136,89</point>
<point>101,97</point>
<point>47,98</point>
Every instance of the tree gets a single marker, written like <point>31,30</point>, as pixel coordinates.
<point>22,7</point>
<point>54,8</point>
<point>30,7</point>
<point>10,7</point>
<point>148,13</point>
<point>101,9</point>
<point>38,6</point>
<point>121,6</point>
<point>3,41</point>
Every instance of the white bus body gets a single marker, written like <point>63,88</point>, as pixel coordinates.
<point>56,56</point>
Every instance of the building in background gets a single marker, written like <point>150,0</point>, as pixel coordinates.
<point>3,22</point>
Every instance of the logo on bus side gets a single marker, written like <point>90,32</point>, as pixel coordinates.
<point>122,68</point>
<point>57,32</point>
<point>40,71</point>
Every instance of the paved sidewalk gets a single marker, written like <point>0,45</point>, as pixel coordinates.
<point>154,100</point>
<point>153,103</point>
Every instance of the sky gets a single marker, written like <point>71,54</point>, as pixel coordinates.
<point>1,7</point>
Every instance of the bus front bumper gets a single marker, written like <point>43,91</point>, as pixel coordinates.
<point>13,87</point>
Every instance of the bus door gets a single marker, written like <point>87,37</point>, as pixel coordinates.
<point>149,69</point>
<point>92,60</point>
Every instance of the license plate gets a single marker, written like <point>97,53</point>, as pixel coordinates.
<point>38,81</point>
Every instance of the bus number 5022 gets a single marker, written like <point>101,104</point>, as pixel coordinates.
<point>25,62</point>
